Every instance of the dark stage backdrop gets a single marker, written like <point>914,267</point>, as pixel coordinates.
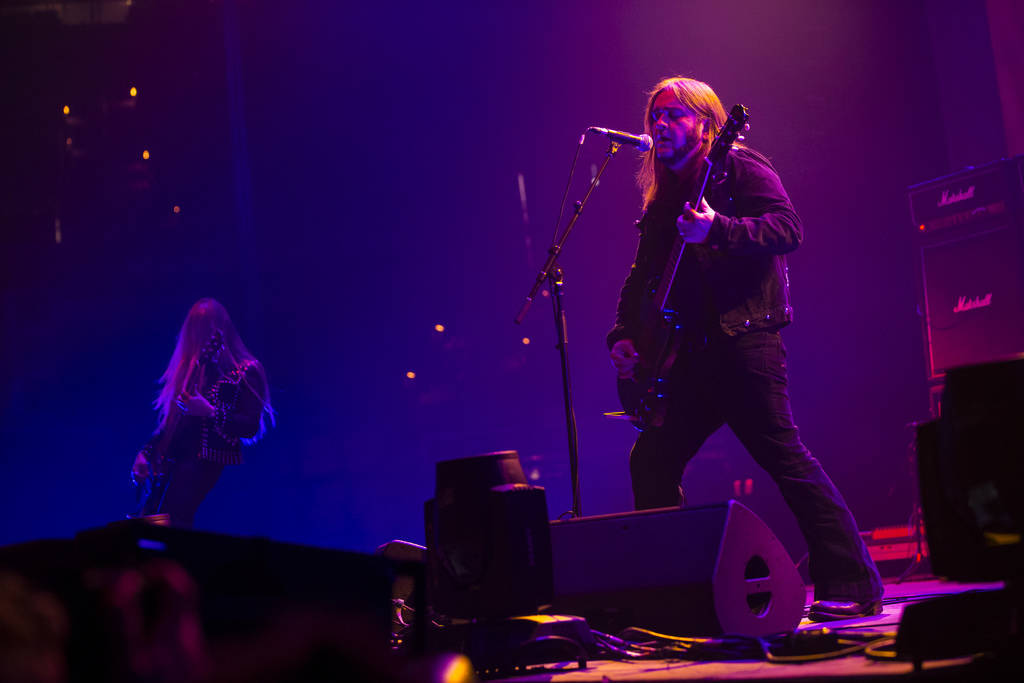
<point>348,179</point>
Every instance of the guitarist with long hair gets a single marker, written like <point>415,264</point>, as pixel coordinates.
<point>214,398</point>
<point>706,350</point>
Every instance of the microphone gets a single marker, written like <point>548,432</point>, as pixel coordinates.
<point>641,142</point>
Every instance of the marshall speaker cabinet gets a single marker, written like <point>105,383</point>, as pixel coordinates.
<point>971,264</point>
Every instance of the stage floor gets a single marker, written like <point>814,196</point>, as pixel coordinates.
<point>850,667</point>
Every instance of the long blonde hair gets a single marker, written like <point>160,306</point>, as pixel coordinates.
<point>205,318</point>
<point>654,178</point>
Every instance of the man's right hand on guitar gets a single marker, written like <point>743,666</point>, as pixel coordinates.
<point>624,358</point>
<point>140,468</point>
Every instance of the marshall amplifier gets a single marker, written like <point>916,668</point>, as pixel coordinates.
<point>971,264</point>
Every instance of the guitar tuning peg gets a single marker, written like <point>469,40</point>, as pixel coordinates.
<point>741,138</point>
<point>746,126</point>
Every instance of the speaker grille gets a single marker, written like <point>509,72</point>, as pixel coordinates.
<point>974,298</point>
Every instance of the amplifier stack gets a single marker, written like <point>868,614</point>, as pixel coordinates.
<point>971,266</point>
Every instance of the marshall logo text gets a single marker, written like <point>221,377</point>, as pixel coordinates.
<point>948,197</point>
<point>965,304</point>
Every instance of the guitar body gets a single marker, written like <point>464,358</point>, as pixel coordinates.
<point>644,397</point>
<point>149,492</point>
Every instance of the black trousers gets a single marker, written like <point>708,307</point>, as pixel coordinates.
<point>742,382</point>
<point>191,480</point>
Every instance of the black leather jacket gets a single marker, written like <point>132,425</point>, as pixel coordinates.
<point>737,281</point>
<point>238,411</point>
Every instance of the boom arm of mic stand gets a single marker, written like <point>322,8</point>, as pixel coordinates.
<point>556,248</point>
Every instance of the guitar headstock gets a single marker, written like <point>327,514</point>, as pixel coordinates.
<point>734,126</point>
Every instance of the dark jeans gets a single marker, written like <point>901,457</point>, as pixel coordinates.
<point>190,481</point>
<point>741,381</point>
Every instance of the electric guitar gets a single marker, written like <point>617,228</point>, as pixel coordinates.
<point>150,490</point>
<point>644,397</point>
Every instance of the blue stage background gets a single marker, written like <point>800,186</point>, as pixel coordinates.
<point>347,178</point>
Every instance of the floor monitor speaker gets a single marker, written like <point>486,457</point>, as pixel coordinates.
<point>683,571</point>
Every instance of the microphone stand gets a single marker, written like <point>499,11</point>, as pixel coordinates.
<point>554,275</point>
<point>556,280</point>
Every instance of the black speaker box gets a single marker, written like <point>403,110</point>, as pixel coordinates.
<point>692,571</point>
<point>488,544</point>
<point>291,604</point>
<point>244,583</point>
<point>972,474</point>
<point>491,562</point>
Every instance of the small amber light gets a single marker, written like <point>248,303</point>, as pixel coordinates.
<point>439,327</point>
<point>133,92</point>
<point>411,374</point>
<point>526,340</point>
<point>67,110</point>
<point>145,154</point>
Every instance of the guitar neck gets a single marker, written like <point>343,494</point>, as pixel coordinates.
<point>668,277</point>
<point>709,166</point>
<point>192,385</point>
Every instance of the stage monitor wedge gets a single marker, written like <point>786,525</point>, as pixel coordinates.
<point>699,571</point>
